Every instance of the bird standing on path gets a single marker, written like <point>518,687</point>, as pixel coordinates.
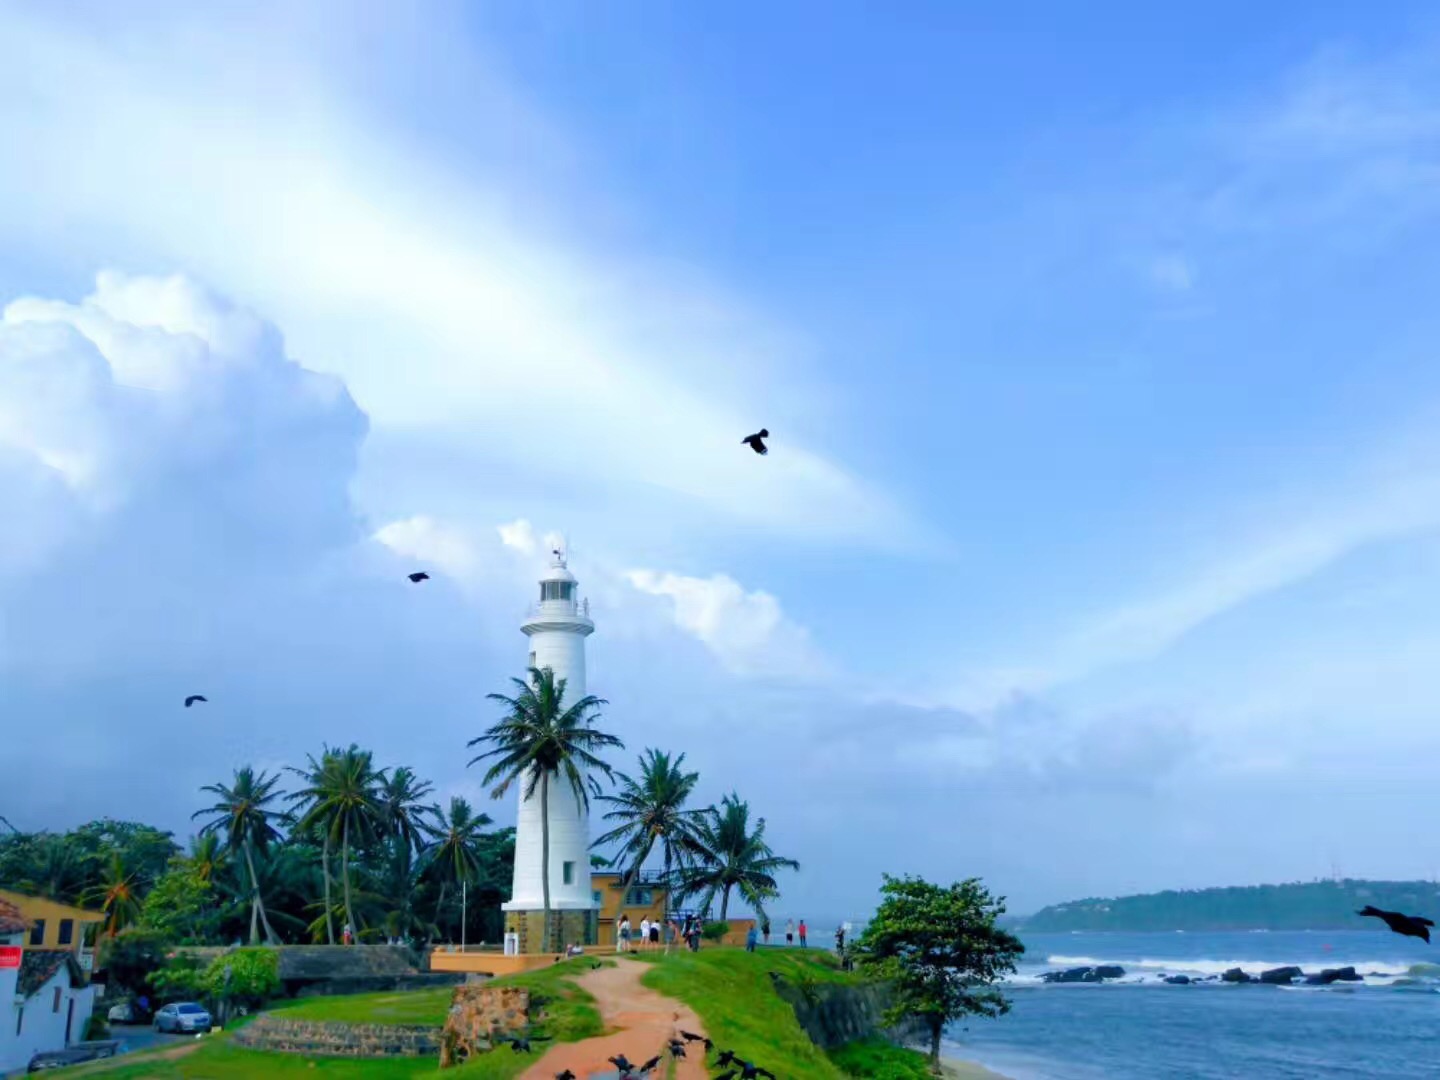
<point>194,698</point>
<point>621,1062</point>
<point>418,576</point>
<point>756,442</point>
<point>1408,925</point>
<point>566,1075</point>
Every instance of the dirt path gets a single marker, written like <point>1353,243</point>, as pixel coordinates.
<point>141,1057</point>
<point>642,1022</point>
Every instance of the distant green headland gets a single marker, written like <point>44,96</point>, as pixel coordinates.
<point>1313,905</point>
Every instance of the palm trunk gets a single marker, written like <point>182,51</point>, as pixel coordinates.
<point>257,902</point>
<point>935,1027</point>
<point>665,929</point>
<point>439,907</point>
<point>345,880</point>
<point>725,903</point>
<point>329,908</point>
<point>545,858</point>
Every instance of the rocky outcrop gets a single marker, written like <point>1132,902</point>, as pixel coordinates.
<point>1085,974</point>
<point>478,1016</point>
<point>338,1040</point>
<point>1178,980</point>
<point>1235,975</point>
<point>833,1014</point>
<point>1281,976</point>
<point>1331,975</point>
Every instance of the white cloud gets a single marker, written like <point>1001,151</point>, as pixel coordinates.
<point>428,541</point>
<point>520,535</point>
<point>148,383</point>
<point>450,315</point>
<point>747,631</point>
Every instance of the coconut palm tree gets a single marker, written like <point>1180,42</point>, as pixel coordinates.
<point>242,814</point>
<point>58,870</point>
<point>117,894</point>
<point>207,856</point>
<point>541,738</point>
<point>650,811</point>
<point>401,810</point>
<point>311,802</point>
<point>345,804</point>
<point>733,857</point>
<point>453,851</point>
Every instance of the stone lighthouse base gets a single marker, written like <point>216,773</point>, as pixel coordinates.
<point>573,927</point>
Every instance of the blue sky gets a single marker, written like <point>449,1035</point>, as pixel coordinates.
<point>1099,348</point>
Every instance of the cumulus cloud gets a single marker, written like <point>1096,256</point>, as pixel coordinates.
<point>142,389</point>
<point>747,631</point>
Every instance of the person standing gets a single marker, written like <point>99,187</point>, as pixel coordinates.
<point>803,932</point>
<point>644,932</point>
<point>622,941</point>
<point>655,933</point>
<point>789,931</point>
<point>765,929</point>
<point>750,938</point>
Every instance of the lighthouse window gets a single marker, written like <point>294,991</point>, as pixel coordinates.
<point>556,590</point>
<point>567,873</point>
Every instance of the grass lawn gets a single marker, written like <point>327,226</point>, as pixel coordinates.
<point>569,1014</point>
<point>730,989</point>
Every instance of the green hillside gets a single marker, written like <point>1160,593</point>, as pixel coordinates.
<point>1315,905</point>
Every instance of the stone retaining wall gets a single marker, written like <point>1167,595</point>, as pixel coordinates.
<point>333,1039</point>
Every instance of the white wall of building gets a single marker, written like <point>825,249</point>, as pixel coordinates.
<point>9,980</point>
<point>41,1026</point>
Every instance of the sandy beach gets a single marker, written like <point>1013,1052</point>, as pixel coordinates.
<point>958,1069</point>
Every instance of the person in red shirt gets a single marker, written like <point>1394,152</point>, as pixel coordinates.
<point>803,932</point>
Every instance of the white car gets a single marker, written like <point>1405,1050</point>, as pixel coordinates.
<point>183,1016</point>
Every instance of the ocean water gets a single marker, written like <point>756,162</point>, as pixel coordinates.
<point>1387,1027</point>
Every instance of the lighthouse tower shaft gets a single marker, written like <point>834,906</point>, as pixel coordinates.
<point>557,628</point>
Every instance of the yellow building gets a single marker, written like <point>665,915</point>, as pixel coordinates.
<point>646,900</point>
<point>54,926</point>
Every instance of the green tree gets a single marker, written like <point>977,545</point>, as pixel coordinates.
<point>116,893</point>
<point>57,869</point>
<point>732,856</point>
<point>311,801</point>
<point>244,817</point>
<point>182,907</point>
<point>941,951</point>
<point>131,957</point>
<point>344,805</point>
<point>650,810</point>
<point>454,851</point>
<point>540,738</point>
<point>402,810</point>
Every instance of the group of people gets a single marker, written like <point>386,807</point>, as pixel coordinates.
<point>689,931</point>
<point>648,936</point>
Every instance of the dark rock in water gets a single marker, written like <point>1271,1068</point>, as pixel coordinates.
<point>1332,975</point>
<point>1178,980</point>
<point>1281,976</point>
<point>1235,975</point>
<point>1084,974</point>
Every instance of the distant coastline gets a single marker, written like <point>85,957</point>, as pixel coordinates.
<point>1315,905</point>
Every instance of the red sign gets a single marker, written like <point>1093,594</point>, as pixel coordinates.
<point>10,956</point>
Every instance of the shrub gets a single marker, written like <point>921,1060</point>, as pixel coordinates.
<point>181,979</point>
<point>254,977</point>
<point>715,931</point>
<point>131,957</point>
<point>96,1028</point>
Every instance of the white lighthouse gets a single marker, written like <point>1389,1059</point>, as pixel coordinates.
<point>557,628</point>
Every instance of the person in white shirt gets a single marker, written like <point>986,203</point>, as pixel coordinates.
<point>645,933</point>
<point>622,942</point>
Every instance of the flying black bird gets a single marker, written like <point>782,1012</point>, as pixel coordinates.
<point>418,576</point>
<point>649,1066</point>
<point>1409,925</point>
<point>621,1062</point>
<point>194,698</point>
<point>756,441</point>
<point>596,965</point>
<point>522,1046</point>
<point>690,1036</point>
